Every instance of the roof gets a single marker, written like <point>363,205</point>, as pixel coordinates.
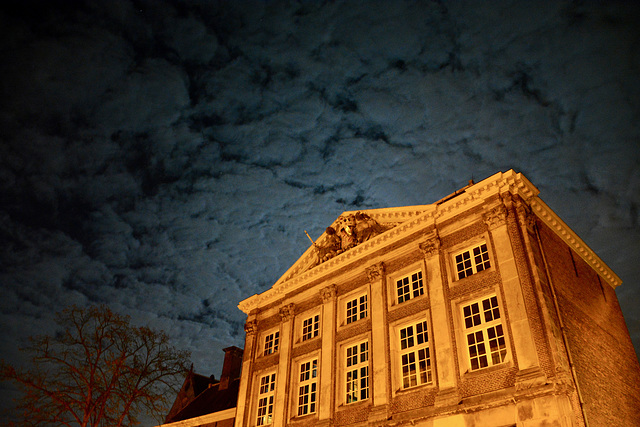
<point>209,401</point>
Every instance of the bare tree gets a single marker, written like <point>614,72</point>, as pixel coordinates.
<point>99,370</point>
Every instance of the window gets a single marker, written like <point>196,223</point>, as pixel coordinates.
<point>310,327</point>
<point>409,287</point>
<point>307,391</point>
<point>357,372</point>
<point>485,336</point>
<point>415,356</point>
<point>357,309</point>
<point>472,261</point>
<point>265,399</point>
<point>271,342</point>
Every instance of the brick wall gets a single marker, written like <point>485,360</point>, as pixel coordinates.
<point>604,358</point>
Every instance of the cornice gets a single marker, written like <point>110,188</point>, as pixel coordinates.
<point>553,221</point>
<point>413,218</point>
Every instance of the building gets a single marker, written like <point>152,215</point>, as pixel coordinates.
<point>203,401</point>
<point>482,309</point>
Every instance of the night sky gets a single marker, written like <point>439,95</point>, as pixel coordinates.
<point>165,157</point>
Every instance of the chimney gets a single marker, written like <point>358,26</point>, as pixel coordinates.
<point>231,367</point>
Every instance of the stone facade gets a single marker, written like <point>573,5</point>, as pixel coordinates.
<point>481,309</point>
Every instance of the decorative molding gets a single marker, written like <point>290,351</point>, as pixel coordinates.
<point>286,312</point>
<point>431,246</point>
<point>525,217</point>
<point>553,221</point>
<point>251,327</point>
<point>375,272</point>
<point>496,217</point>
<point>328,293</point>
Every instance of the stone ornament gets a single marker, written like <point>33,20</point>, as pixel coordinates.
<point>328,293</point>
<point>431,246</point>
<point>496,217</point>
<point>251,327</point>
<point>375,272</point>
<point>350,230</point>
<point>286,312</point>
<point>526,218</point>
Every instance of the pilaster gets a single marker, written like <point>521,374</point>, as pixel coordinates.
<point>379,379</point>
<point>530,372</point>
<point>281,406</point>
<point>244,398</point>
<point>327,358</point>
<point>440,317</point>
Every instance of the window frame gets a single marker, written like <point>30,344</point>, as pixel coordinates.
<point>268,395</point>
<point>275,342</point>
<point>465,356</point>
<point>360,313</point>
<point>312,383</point>
<point>414,350</point>
<point>314,331</point>
<point>469,248</point>
<point>348,381</point>
<point>410,295</point>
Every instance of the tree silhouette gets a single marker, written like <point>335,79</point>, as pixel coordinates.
<point>98,370</point>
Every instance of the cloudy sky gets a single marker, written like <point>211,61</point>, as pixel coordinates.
<point>165,157</point>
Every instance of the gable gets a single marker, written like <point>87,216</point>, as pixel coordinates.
<point>350,230</point>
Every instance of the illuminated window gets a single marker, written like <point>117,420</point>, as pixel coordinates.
<point>307,390</point>
<point>265,399</point>
<point>357,372</point>
<point>409,287</point>
<point>271,342</point>
<point>310,327</point>
<point>415,357</point>
<point>484,333</point>
<point>472,261</point>
<point>357,309</point>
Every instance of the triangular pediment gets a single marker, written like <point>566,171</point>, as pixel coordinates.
<point>392,224</point>
<point>350,230</point>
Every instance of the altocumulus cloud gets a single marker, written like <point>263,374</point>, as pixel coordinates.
<point>164,157</point>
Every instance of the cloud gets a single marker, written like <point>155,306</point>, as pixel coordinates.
<point>165,157</point>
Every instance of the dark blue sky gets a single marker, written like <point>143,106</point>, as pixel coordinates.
<point>164,157</point>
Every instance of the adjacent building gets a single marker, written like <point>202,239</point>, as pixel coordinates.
<point>481,309</point>
<point>204,402</point>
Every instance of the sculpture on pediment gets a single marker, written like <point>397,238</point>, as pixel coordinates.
<point>367,227</point>
<point>350,230</point>
<point>347,231</point>
<point>332,246</point>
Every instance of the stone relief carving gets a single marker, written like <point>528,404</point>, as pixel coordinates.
<point>350,230</point>
<point>251,327</point>
<point>496,217</point>
<point>375,272</point>
<point>431,246</point>
<point>526,218</point>
<point>286,312</point>
<point>328,293</point>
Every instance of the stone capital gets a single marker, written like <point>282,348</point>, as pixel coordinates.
<point>496,217</point>
<point>328,293</point>
<point>251,327</point>
<point>431,246</point>
<point>286,312</point>
<point>375,272</point>
<point>526,218</point>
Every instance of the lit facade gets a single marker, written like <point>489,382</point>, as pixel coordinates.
<point>482,309</point>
